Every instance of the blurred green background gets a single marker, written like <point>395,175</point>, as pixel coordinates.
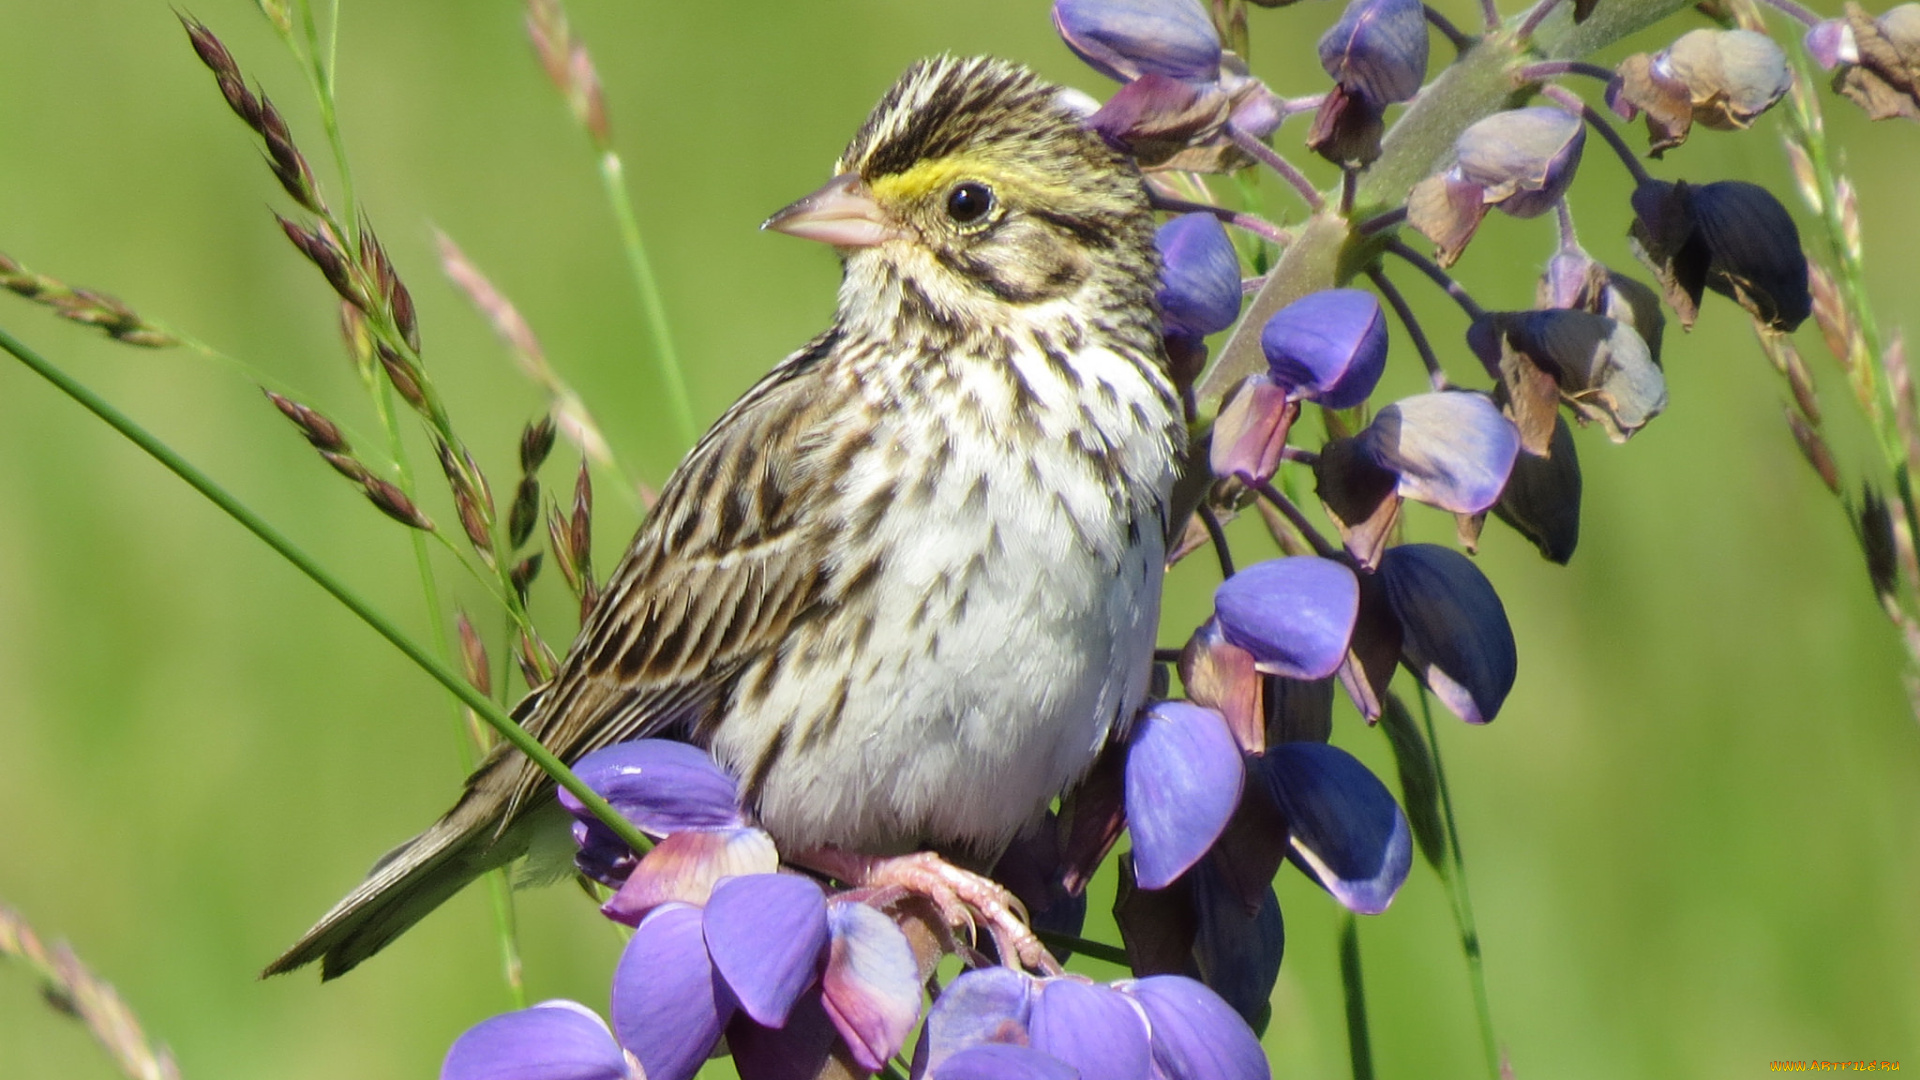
<point>1693,835</point>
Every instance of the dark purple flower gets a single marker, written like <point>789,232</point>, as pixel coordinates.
<point>1542,498</point>
<point>669,1004</point>
<point>1199,275</point>
<point>1329,346</point>
<point>1378,50</point>
<point>1343,827</point>
<point>797,1050</point>
<point>1092,1028</point>
<point>1236,949</point>
<point>1183,781</point>
<point>554,1040</point>
<point>1295,615</point>
<point>1196,1035</point>
<point>1457,639</point>
<point>1125,39</point>
<point>1576,280</point>
<point>1156,117</point>
<point>766,934</point>
<point>1729,236</point>
<point>1450,449</point>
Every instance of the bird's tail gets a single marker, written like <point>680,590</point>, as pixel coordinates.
<point>421,874</point>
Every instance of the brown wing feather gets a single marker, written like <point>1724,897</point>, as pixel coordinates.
<point>723,568</point>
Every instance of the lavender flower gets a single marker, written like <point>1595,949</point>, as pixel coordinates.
<point>1199,276</point>
<point>1520,162</point>
<point>1183,782</point>
<point>1125,39</point>
<point>1329,346</point>
<point>1378,50</point>
<point>1295,615</point>
<point>554,1040</point>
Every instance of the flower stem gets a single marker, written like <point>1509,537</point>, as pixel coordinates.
<point>613,178</point>
<point>1572,103</point>
<point>1219,537</point>
<point>1547,69</point>
<point>1455,879</point>
<point>240,512</point>
<point>320,72</point>
<point>1435,375</point>
<point>1440,277</point>
<point>1359,1041</point>
<point>1271,158</point>
<point>1799,14</point>
<point>1460,39</point>
<point>1324,547</point>
<point>1258,226</point>
<point>1099,950</point>
<point>1534,18</point>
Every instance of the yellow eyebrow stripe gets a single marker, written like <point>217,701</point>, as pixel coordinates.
<point>929,177</point>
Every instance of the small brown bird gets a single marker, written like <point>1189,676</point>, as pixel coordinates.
<point>907,587</point>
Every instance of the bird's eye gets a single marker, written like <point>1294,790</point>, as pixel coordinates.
<point>969,203</point>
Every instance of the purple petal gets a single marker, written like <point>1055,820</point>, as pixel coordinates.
<point>1450,449</point>
<point>1124,39</point>
<point>1003,1063</point>
<point>1196,1035</point>
<point>1295,615</point>
<point>1199,275</point>
<point>767,934</point>
<point>554,1040</point>
<point>982,1006</point>
<point>1378,50</point>
<point>686,866</point>
<point>1329,346</point>
<point>660,785</point>
<point>872,982</point>
<point>669,1005</point>
<point>1092,1028</point>
<point>797,1050</point>
<point>1344,828</point>
<point>1830,43</point>
<point>1457,639</point>
<point>1237,951</point>
<point>1183,781</point>
<point>1252,430</point>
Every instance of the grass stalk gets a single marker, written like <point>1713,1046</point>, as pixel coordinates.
<point>613,178</point>
<point>1454,876</point>
<point>240,512</point>
<point>1359,1038</point>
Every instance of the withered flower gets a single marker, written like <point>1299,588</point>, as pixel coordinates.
<point>1598,366</point>
<point>1721,79</point>
<point>1882,74</point>
<point>1729,236</point>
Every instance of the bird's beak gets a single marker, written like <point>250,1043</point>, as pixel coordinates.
<point>842,214</point>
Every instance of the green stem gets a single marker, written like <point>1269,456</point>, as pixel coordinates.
<point>1359,1042</point>
<point>199,481</point>
<point>1455,878</point>
<point>1099,950</point>
<point>613,177</point>
<point>320,72</point>
<point>500,892</point>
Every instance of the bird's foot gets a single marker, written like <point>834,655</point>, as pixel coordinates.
<point>958,894</point>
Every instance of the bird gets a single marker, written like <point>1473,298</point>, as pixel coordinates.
<point>907,587</point>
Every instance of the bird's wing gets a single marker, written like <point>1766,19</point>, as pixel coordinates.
<point>727,565</point>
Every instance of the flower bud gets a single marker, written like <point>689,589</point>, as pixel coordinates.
<point>1720,78</point>
<point>1125,39</point>
<point>1295,615</point>
<point>1157,116</point>
<point>1346,129</point>
<point>1378,50</point>
<point>1199,275</point>
<point>1251,430</point>
<point>1830,43</point>
<point>1458,641</point>
<point>1729,236</point>
<point>1344,829</point>
<point>1520,161</point>
<point>1329,346</point>
<point>1883,74</point>
<point>1183,781</point>
<point>1542,497</point>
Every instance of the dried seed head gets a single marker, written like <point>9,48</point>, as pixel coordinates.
<point>358,337</point>
<point>536,442</point>
<point>323,433</point>
<point>525,513</point>
<point>321,248</point>
<point>558,541</point>
<point>404,376</point>
<point>277,14</point>
<point>394,503</point>
<point>1876,542</point>
<point>347,466</point>
<point>387,284</point>
<point>570,67</point>
<point>536,660</point>
<point>288,164</point>
<point>473,656</point>
<point>580,534</point>
<point>523,573</point>
<point>83,306</point>
<point>1814,448</point>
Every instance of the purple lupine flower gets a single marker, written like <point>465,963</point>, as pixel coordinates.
<point>871,985</point>
<point>1574,279</point>
<point>1451,449</point>
<point>1199,276</point>
<point>1195,1035</point>
<point>1344,829</point>
<point>1542,497</point>
<point>669,1005</point>
<point>1378,50</point>
<point>1295,615</point>
<point>1729,236</point>
<point>1328,346</point>
<point>1830,42</point>
<point>1520,162</point>
<point>1125,39</point>
<point>981,1007</point>
<point>1237,950</point>
<point>554,1040</point>
<point>766,935</point>
<point>1156,116</point>
<point>1183,781</point>
<point>1091,1028</point>
<point>1457,639</point>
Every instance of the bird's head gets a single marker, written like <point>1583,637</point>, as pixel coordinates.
<point>974,185</point>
